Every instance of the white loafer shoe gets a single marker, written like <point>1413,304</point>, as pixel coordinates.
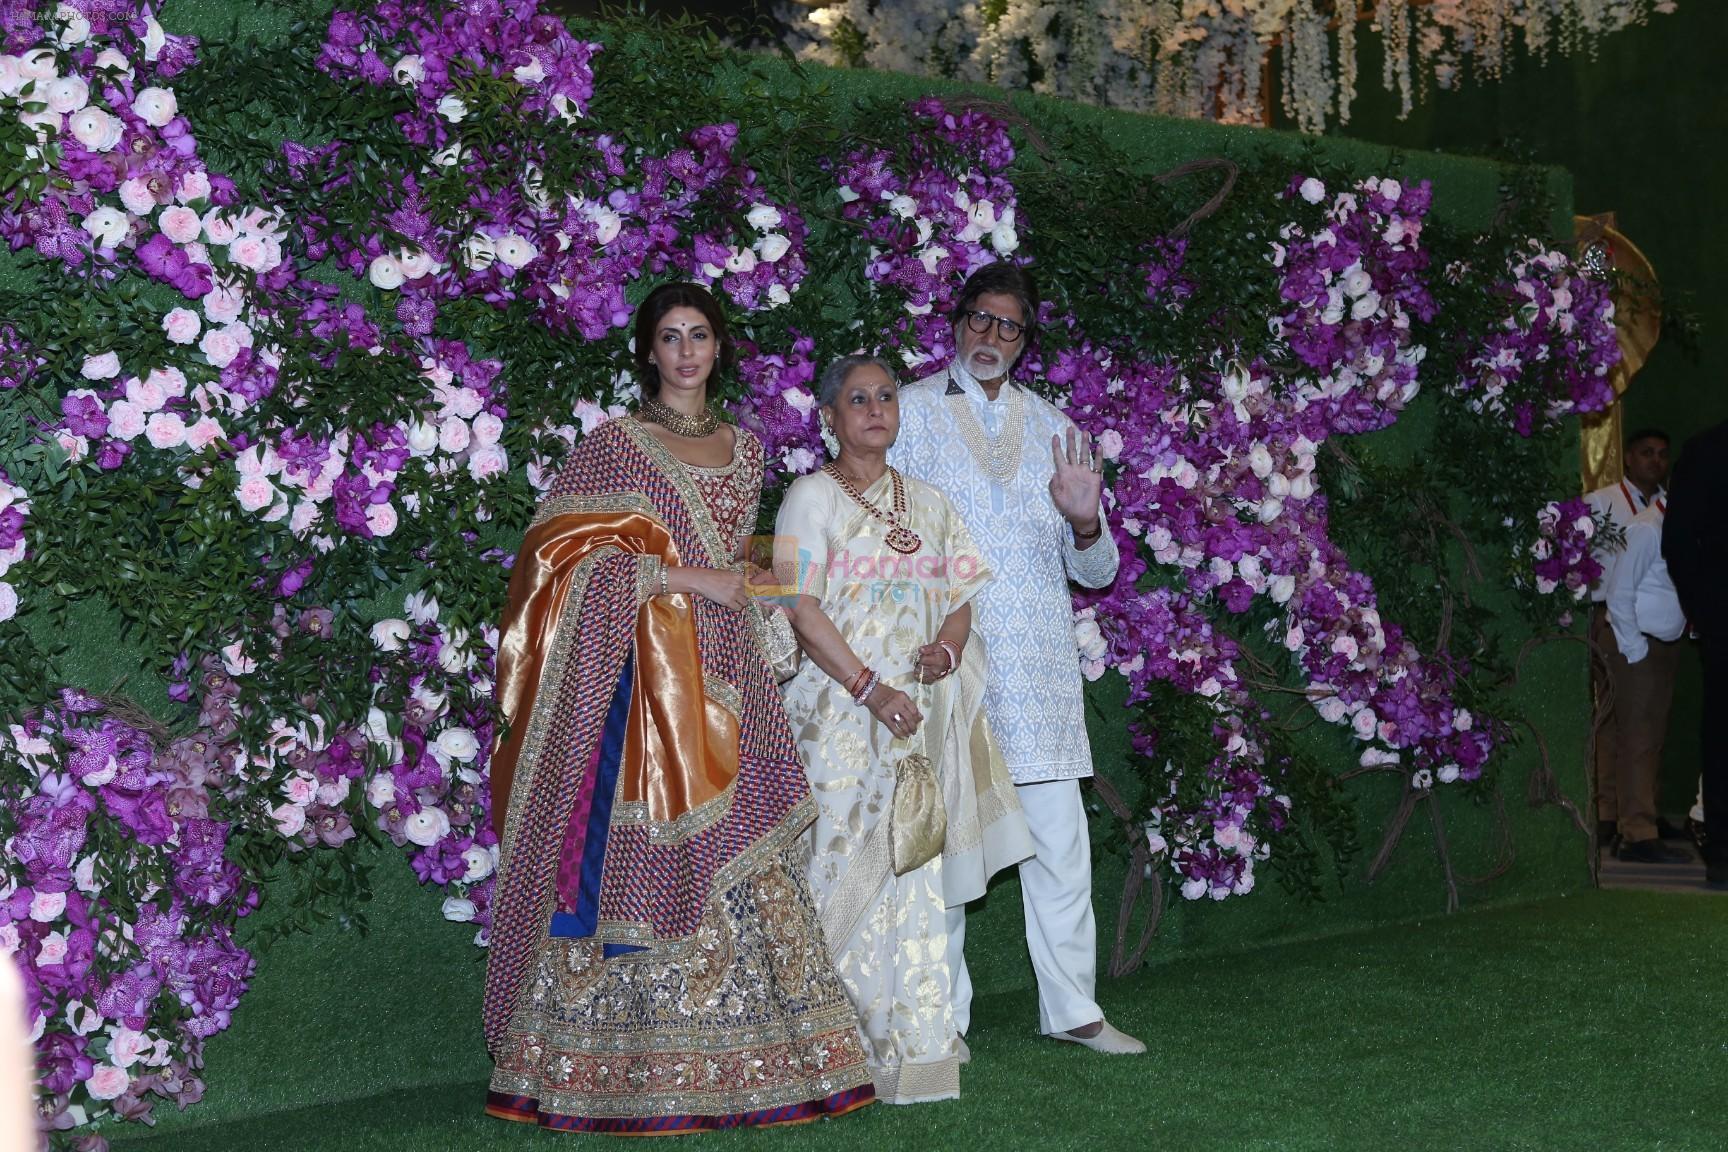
<point>1110,1040</point>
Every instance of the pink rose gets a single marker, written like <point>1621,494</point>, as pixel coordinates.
<point>218,228</point>
<point>137,196</point>
<point>219,347</point>
<point>172,381</point>
<point>103,366</point>
<point>46,907</point>
<point>204,433</point>
<point>75,447</point>
<point>487,429</point>
<point>148,394</point>
<point>126,1047</point>
<point>192,186</point>
<point>1364,723</point>
<point>300,789</point>
<point>107,1082</point>
<point>53,950</point>
<point>381,518</point>
<point>125,420</point>
<point>306,514</point>
<point>8,601</point>
<point>222,304</point>
<point>250,252</point>
<point>487,462</point>
<point>180,224</point>
<point>165,430</point>
<point>255,492</point>
<point>453,435</point>
<point>181,325</point>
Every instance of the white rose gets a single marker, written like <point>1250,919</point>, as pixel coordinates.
<point>1260,460</point>
<point>384,272</point>
<point>426,827</point>
<point>107,226</point>
<point>763,217</point>
<point>409,71</point>
<point>155,106</point>
<point>607,225</point>
<point>452,108</point>
<point>515,250</point>
<point>458,744</point>
<point>1312,190</point>
<point>96,130</point>
<point>66,95</point>
<point>422,438</point>
<point>772,246</point>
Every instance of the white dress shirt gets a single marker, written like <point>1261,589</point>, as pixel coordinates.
<point>1641,598</point>
<point>1621,502</point>
<point>1034,695</point>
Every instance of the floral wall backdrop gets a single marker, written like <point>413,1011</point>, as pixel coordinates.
<point>296,327</point>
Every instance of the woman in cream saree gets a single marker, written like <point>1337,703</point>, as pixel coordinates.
<point>884,570</point>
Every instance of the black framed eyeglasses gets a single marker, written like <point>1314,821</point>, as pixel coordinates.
<point>1007,329</point>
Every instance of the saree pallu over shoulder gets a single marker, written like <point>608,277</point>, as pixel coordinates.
<point>633,781</point>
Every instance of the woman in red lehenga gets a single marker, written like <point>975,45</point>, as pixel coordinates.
<point>656,963</point>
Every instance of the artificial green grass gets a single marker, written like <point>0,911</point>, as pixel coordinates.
<point>1593,1021</point>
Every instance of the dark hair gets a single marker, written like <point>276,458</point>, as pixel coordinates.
<point>1004,279</point>
<point>834,376</point>
<point>653,310</point>
<point>1645,434</point>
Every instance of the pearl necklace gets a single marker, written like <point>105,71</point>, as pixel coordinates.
<point>999,458</point>
<point>675,422</point>
<point>900,538</point>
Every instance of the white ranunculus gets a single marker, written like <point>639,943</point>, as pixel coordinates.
<point>384,272</point>
<point>426,827</point>
<point>452,108</point>
<point>903,206</point>
<point>409,71</point>
<point>458,744</point>
<point>107,226</point>
<point>156,106</point>
<point>75,26</point>
<point>772,246</point>
<point>422,438</point>
<point>415,263</point>
<point>66,94</point>
<point>389,635</point>
<point>114,61</point>
<point>11,75</point>
<point>38,64</point>
<point>530,73</point>
<point>778,294</point>
<point>458,909</point>
<point>607,225</point>
<point>741,260</point>
<point>1004,239</point>
<point>1312,190</point>
<point>96,130</point>
<point>449,155</point>
<point>422,608</point>
<point>479,863</point>
<point>516,250</point>
<point>1260,460</point>
<point>763,217</point>
<point>478,252</point>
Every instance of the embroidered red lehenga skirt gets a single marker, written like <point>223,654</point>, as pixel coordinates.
<point>656,963</point>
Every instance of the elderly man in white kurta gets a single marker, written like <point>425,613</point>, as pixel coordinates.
<point>1026,482</point>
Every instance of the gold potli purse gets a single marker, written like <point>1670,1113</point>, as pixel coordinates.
<point>918,820</point>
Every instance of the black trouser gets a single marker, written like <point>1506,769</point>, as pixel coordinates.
<point>1713,741</point>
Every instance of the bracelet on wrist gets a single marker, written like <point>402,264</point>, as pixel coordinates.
<point>665,588</point>
<point>1088,536</point>
<point>864,689</point>
<point>953,652</point>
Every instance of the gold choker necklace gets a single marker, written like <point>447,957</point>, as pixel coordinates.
<point>675,422</point>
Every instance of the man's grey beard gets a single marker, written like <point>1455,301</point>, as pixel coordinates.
<point>998,371</point>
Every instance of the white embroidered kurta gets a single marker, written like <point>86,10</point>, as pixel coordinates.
<point>1034,699</point>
